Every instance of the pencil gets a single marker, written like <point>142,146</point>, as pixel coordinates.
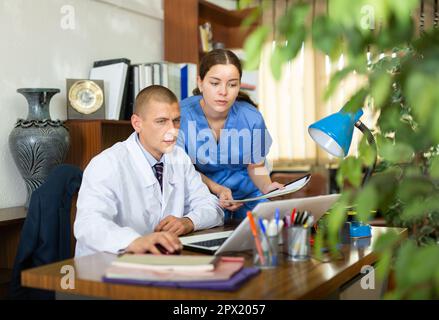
<point>255,235</point>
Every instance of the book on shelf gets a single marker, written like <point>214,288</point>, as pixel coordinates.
<point>206,36</point>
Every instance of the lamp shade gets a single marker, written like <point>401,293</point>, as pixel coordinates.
<point>334,133</point>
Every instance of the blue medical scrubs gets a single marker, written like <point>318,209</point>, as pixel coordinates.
<point>244,139</point>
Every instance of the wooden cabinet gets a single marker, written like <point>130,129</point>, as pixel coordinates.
<point>11,223</point>
<point>181,34</point>
<point>89,137</point>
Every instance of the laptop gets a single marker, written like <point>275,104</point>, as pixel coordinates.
<point>241,238</point>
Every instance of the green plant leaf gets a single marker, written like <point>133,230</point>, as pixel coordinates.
<point>338,12</point>
<point>386,242</point>
<point>403,264</point>
<point>254,15</point>
<point>356,102</point>
<point>276,62</point>
<point>425,263</point>
<point>383,264</point>
<point>294,19</point>
<point>421,91</point>
<point>294,44</point>
<point>335,220</point>
<point>434,167</point>
<point>403,9</point>
<point>434,132</point>
<point>336,78</point>
<point>366,152</point>
<point>338,214</point>
<point>326,36</point>
<point>417,209</point>
<point>410,189</point>
<point>366,202</point>
<point>350,170</point>
<point>396,153</point>
<point>318,244</point>
<point>253,47</point>
<point>380,88</point>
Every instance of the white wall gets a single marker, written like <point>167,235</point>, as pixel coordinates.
<point>36,51</point>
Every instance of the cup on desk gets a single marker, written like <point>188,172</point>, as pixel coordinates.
<point>298,244</point>
<point>270,251</point>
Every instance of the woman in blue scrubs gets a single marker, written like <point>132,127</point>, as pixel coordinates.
<point>225,135</point>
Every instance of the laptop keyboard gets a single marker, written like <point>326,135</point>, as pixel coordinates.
<point>210,243</point>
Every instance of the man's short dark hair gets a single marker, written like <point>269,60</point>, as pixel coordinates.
<point>156,93</point>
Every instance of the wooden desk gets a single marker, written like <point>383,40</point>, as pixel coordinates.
<point>291,280</point>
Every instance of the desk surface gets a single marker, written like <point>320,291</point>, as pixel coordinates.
<point>12,215</point>
<point>291,280</point>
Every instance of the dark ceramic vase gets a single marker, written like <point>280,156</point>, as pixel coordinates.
<point>38,143</point>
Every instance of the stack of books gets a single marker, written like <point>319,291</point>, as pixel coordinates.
<point>202,272</point>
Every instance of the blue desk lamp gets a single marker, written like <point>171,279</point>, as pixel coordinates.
<point>334,134</point>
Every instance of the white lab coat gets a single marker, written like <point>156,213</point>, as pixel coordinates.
<point>120,198</point>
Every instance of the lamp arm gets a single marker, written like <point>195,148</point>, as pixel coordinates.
<point>369,136</point>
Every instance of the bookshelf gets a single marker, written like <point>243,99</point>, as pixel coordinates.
<point>181,33</point>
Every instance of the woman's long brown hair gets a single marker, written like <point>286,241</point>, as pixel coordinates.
<point>222,56</point>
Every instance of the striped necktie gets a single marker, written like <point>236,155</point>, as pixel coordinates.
<point>159,173</point>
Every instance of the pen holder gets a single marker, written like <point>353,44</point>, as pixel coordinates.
<point>270,252</point>
<point>298,245</point>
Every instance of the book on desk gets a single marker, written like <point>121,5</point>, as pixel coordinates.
<point>198,272</point>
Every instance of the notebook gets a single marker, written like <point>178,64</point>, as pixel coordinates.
<point>234,283</point>
<point>166,262</point>
<point>225,269</point>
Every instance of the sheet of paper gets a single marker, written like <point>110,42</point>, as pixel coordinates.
<point>290,188</point>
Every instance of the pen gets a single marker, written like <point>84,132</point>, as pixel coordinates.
<point>287,221</point>
<point>255,235</point>
<point>272,229</point>
<point>276,216</point>
<point>309,222</point>
<point>303,218</point>
<point>293,214</point>
<point>299,216</point>
<point>262,226</point>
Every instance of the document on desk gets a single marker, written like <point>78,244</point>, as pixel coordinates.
<point>289,187</point>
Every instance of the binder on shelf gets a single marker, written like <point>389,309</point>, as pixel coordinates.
<point>114,73</point>
<point>156,73</point>
<point>188,79</point>
<point>180,78</point>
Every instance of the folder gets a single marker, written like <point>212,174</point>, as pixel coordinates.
<point>232,284</point>
<point>114,73</point>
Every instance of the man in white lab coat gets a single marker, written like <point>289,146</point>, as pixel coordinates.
<point>141,194</point>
